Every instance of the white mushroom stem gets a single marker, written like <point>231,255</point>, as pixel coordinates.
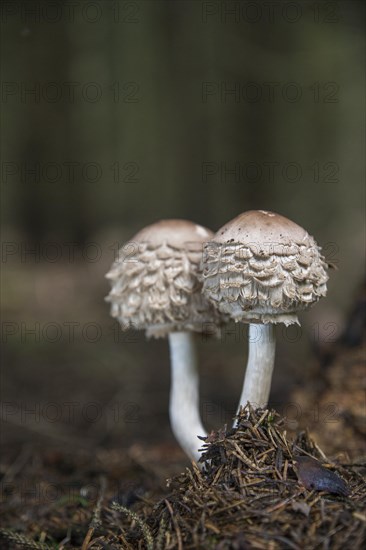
<point>184,395</point>
<point>258,375</point>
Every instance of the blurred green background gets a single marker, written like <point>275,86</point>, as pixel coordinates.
<point>118,113</point>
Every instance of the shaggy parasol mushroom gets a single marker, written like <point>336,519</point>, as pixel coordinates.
<point>155,288</point>
<point>262,268</point>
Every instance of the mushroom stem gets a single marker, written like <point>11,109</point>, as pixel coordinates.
<point>184,396</point>
<point>258,375</point>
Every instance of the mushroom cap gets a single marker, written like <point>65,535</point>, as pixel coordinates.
<point>262,267</point>
<point>180,234</point>
<point>155,284</point>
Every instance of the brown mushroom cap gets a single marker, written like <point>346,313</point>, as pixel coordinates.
<point>180,234</point>
<point>262,267</point>
<point>154,280</point>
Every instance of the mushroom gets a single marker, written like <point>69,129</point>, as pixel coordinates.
<point>155,287</point>
<point>261,269</point>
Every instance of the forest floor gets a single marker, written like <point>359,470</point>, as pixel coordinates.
<point>254,487</point>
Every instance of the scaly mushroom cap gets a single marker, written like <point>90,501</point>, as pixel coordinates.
<point>262,267</point>
<point>154,280</point>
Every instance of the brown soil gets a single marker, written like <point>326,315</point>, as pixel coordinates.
<point>249,492</point>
